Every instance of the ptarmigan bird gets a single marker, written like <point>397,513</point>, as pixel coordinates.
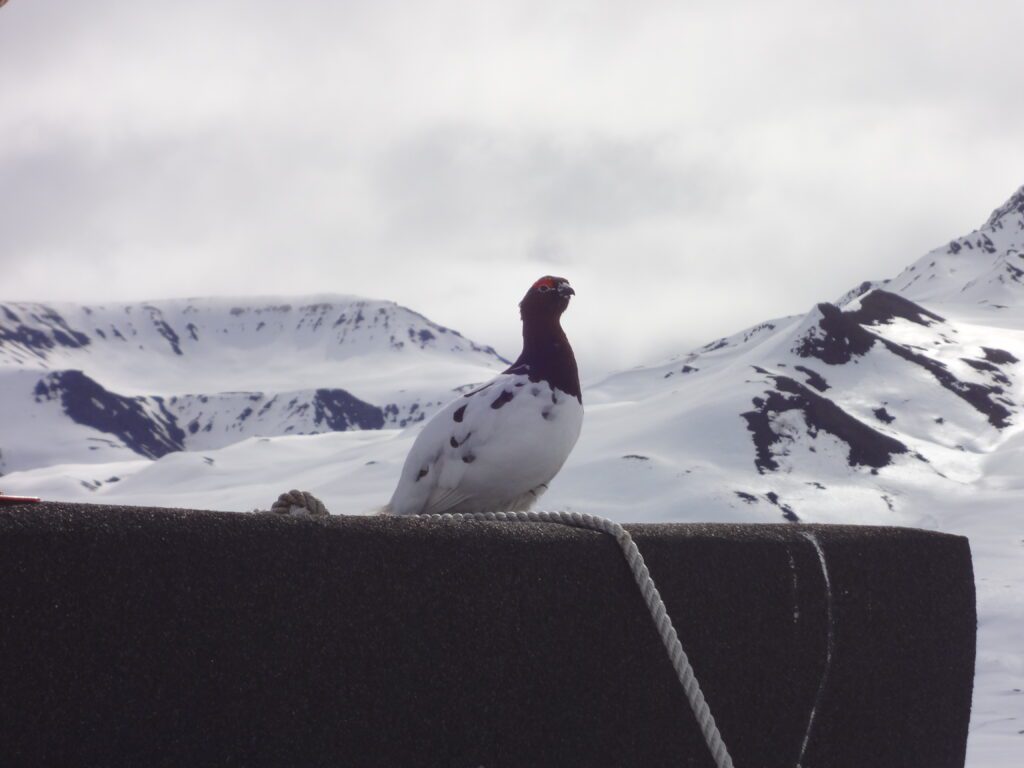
<point>496,448</point>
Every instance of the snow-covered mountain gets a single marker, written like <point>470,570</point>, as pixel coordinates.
<point>101,383</point>
<point>850,408</point>
<point>871,399</point>
<point>899,403</point>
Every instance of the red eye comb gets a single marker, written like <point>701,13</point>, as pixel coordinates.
<point>547,281</point>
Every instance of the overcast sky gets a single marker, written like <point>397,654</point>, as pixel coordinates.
<point>691,167</point>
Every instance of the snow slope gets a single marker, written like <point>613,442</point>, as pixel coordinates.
<point>898,404</point>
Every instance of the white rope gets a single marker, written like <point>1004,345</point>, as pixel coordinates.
<point>289,504</point>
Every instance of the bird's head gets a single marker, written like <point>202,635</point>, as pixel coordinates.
<point>548,297</point>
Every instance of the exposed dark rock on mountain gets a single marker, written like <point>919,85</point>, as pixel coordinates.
<point>840,336</point>
<point>152,426</point>
<point>1015,205</point>
<point>867,447</point>
<point>787,511</point>
<point>41,331</point>
<point>143,424</point>
<point>989,400</point>
<point>814,378</point>
<point>836,339</point>
<point>163,328</point>
<point>338,410</point>
<point>882,307</point>
<point>883,415</point>
<point>857,292</point>
<point>999,356</point>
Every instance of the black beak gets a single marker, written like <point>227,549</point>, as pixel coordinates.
<point>566,290</point>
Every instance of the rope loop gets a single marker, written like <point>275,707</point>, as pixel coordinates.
<point>299,503</point>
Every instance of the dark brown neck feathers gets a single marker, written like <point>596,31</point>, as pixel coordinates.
<point>547,356</point>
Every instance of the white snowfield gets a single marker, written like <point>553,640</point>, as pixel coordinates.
<point>901,404</point>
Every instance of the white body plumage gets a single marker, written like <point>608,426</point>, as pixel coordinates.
<point>495,449</point>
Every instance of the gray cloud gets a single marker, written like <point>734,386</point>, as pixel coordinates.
<point>451,178</point>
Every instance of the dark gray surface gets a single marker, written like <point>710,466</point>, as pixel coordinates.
<point>168,637</point>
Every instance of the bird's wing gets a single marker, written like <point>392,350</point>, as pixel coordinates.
<point>443,453</point>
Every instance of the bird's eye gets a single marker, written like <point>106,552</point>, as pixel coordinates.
<point>543,288</point>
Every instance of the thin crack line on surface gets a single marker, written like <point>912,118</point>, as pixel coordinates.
<point>828,644</point>
<point>796,592</point>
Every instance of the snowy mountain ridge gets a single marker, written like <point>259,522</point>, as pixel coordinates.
<point>984,267</point>
<point>148,379</point>
<point>203,337</point>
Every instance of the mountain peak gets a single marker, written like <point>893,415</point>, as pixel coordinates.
<point>985,267</point>
<point>1015,205</point>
